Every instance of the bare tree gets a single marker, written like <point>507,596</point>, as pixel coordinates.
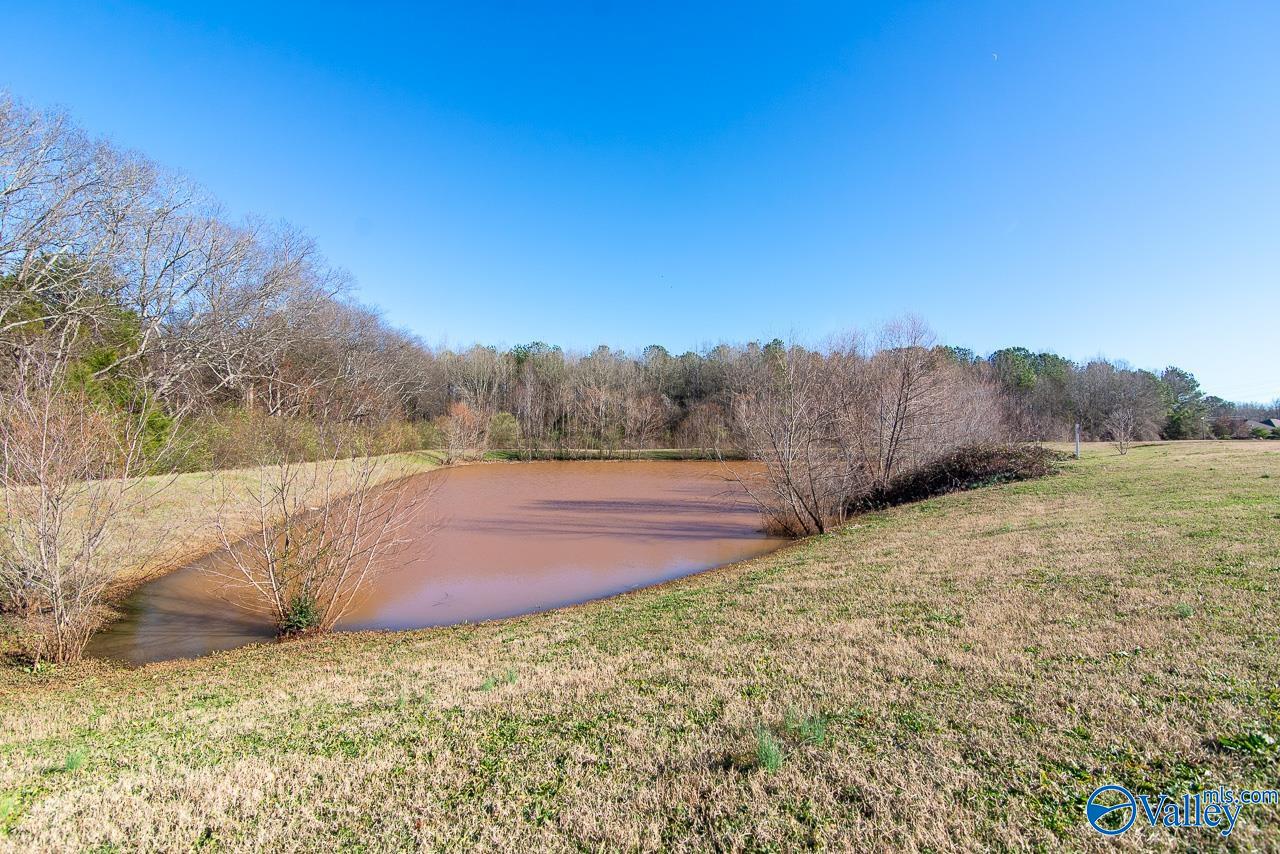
<point>905,402</point>
<point>835,428</point>
<point>464,432</point>
<point>705,428</point>
<point>1133,408</point>
<point>644,417</point>
<point>232,334</point>
<point>481,378</point>
<point>68,477</point>
<point>786,416</point>
<point>1115,402</point>
<point>540,394</point>
<point>320,534</point>
<point>598,400</point>
<point>99,248</point>
<point>1121,425</point>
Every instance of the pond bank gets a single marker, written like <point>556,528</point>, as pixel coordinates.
<point>492,541</point>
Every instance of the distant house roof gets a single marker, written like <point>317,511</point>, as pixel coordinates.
<point>1269,424</point>
<point>1273,423</point>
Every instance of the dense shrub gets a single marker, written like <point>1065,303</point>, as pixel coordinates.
<point>394,437</point>
<point>301,616</point>
<point>504,431</point>
<point>430,434</point>
<point>969,468</point>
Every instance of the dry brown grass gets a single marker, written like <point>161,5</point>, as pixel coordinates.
<point>176,524</point>
<point>976,664</point>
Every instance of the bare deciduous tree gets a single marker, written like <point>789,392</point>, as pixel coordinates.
<point>834,428</point>
<point>68,477</point>
<point>1117,403</point>
<point>464,432</point>
<point>705,428</point>
<point>787,417</point>
<point>1121,425</point>
<point>320,534</point>
<point>644,416</point>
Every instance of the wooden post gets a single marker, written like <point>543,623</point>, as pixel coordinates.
<point>1077,440</point>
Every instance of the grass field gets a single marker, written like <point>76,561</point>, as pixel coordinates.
<point>954,674</point>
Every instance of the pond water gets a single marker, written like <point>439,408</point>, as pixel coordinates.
<point>509,539</point>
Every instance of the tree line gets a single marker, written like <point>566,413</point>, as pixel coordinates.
<point>131,281</point>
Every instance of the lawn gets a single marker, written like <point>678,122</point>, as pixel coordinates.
<point>954,674</point>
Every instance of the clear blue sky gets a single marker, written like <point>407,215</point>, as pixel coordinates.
<point>1095,178</point>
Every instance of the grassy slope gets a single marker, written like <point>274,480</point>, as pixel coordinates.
<point>175,524</point>
<point>979,663</point>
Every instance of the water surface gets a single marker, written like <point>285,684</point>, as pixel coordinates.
<point>508,539</point>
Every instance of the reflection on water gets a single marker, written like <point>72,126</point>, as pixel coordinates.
<point>511,539</point>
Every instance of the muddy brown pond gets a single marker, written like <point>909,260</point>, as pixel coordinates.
<point>507,540</point>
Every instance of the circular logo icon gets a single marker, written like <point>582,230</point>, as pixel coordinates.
<point>1106,809</point>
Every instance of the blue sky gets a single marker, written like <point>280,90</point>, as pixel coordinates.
<point>1091,178</point>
